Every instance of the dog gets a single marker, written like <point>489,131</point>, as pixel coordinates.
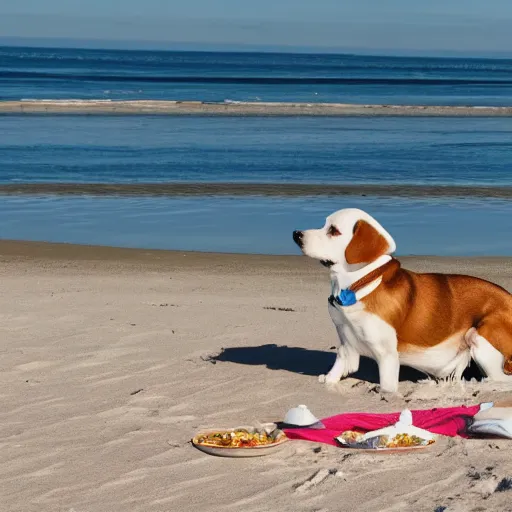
<point>435,323</point>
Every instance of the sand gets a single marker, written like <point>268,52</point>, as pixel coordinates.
<point>173,107</point>
<point>254,189</point>
<point>111,359</point>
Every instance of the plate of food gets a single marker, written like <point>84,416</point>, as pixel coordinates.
<point>392,442</point>
<point>240,441</point>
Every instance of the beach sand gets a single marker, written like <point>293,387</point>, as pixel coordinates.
<point>111,359</point>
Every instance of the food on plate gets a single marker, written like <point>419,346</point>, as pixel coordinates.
<point>407,440</point>
<point>350,437</point>
<point>238,438</point>
<point>354,439</point>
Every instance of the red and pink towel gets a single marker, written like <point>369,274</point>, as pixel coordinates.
<point>450,421</point>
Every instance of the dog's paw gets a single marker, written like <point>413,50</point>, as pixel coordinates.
<point>389,393</point>
<point>329,379</point>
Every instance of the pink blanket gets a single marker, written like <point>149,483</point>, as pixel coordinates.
<point>449,421</point>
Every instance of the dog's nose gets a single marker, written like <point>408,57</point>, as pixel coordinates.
<point>297,237</point>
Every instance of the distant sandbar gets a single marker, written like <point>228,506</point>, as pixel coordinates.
<point>232,108</point>
<point>255,189</point>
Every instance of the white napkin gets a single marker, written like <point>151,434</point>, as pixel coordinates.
<point>402,426</point>
<point>493,419</point>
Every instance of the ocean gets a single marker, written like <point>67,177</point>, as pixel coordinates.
<point>27,73</point>
<point>325,151</point>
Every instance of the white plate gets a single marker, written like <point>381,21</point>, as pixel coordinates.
<point>390,450</point>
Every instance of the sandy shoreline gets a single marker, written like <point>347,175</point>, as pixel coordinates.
<point>253,189</point>
<point>169,107</point>
<point>113,358</point>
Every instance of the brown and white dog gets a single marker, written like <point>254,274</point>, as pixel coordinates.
<point>435,323</point>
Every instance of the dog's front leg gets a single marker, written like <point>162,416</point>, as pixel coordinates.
<point>389,369</point>
<point>347,362</point>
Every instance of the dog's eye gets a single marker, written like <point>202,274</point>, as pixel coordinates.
<point>333,231</point>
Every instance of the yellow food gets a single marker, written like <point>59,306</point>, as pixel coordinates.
<point>406,440</point>
<point>351,436</point>
<point>236,439</point>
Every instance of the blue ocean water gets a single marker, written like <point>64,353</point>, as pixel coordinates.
<point>255,225</point>
<point>108,74</point>
<point>276,150</point>
<point>78,149</point>
<point>392,150</point>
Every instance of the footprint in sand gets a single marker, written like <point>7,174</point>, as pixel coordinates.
<point>317,478</point>
<point>34,365</point>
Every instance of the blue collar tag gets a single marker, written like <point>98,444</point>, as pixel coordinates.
<point>346,297</point>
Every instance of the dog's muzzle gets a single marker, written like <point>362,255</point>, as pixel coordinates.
<point>298,238</point>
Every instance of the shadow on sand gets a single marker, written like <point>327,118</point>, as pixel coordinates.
<point>312,362</point>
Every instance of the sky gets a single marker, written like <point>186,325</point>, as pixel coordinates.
<point>401,26</point>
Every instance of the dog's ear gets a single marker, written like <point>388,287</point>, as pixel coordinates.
<point>367,244</point>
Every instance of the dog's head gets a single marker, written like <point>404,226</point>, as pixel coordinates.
<point>349,238</point>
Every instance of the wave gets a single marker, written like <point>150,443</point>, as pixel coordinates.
<point>256,80</point>
<point>225,65</point>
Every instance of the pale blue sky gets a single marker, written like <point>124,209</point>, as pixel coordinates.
<point>473,26</point>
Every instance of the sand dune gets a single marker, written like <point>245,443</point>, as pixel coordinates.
<point>111,359</point>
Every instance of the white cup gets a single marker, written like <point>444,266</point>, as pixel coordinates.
<point>301,416</point>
